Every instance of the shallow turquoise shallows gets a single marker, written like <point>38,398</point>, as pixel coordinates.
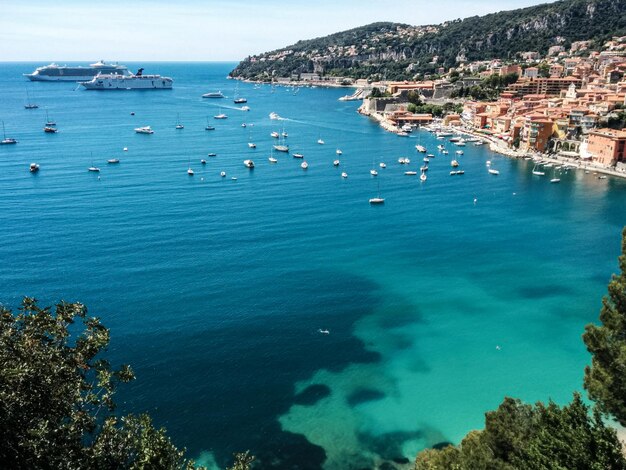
<point>456,292</point>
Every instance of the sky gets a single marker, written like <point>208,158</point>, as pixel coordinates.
<point>196,30</point>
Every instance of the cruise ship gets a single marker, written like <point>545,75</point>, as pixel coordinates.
<point>64,73</point>
<point>137,81</point>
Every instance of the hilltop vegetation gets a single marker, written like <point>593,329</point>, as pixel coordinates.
<point>400,51</point>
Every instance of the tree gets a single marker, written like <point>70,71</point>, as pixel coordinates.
<point>605,379</point>
<point>56,397</point>
<point>521,436</point>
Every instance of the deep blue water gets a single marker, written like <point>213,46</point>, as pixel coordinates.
<point>215,289</point>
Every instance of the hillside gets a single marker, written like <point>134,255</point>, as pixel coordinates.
<point>398,51</point>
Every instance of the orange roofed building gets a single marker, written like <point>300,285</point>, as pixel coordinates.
<point>607,146</point>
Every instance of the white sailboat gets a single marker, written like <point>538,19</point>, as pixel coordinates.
<point>377,199</point>
<point>538,172</point>
<point>178,124</point>
<point>6,140</point>
<point>272,159</point>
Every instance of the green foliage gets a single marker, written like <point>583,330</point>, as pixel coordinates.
<point>56,397</point>
<point>418,107</point>
<point>618,121</point>
<point>377,93</point>
<point>243,461</point>
<point>605,379</point>
<point>521,436</point>
<point>499,35</point>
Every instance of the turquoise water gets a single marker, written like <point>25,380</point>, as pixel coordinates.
<point>215,289</point>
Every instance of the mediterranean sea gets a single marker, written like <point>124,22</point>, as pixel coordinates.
<point>455,293</point>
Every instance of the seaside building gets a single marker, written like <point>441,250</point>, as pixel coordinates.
<point>536,134</point>
<point>607,146</point>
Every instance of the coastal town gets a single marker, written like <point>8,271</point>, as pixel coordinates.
<point>569,105</point>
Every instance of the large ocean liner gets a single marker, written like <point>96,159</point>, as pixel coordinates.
<point>64,73</point>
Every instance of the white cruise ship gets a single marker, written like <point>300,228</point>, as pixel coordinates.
<point>138,81</point>
<point>64,73</point>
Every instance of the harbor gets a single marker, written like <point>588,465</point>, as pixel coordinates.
<point>339,327</point>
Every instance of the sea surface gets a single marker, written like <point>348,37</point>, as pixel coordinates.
<point>455,293</point>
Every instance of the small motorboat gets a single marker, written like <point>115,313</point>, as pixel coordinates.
<point>373,172</point>
<point>304,165</point>
<point>336,163</point>
<point>252,145</point>
<point>189,171</point>
<point>339,152</point>
<point>454,163</point>
<point>125,149</point>
<point>243,124</point>
<point>459,152</point>
<point>245,108</point>
<point>248,164</point>
<point>113,160</point>
<point>213,94</point>
<point>240,100</point>
<point>297,155</point>
<point>344,175</point>
<point>377,200</point>
<point>211,154</point>
<point>493,172</point>
<point>382,165</point>
<point>34,167</point>
<point>220,116</point>
<point>203,161</point>
<point>420,148</point>
<point>144,130</point>
<point>222,174</point>
<point>50,130</point>
<point>555,180</point>
<point>320,141</point>
<point>423,177</point>
<point>275,135</point>
<point>410,173</point>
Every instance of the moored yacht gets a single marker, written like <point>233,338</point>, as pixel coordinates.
<point>213,94</point>
<point>138,81</point>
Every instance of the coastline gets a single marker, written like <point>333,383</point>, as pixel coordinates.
<point>498,146</point>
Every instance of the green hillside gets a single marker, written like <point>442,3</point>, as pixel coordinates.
<point>399,51</point>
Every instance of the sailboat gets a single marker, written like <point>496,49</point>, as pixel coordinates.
<point>238,99</point>
<point>377,199</point>
<point>319,140</point>
<point>538,172</point>
<point>208,127</point>
<point>251,144</point>
<point>272,159</point>
<point>6,140</point>
<point>48,121</point>
<point>281,147</point>
<point>28,104</point>
<point>555,178</point>
<point>189,170</point>
<point>178,124</point>
<point>221,115</point>
<point>93,168</point>
<point>373,171</point>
